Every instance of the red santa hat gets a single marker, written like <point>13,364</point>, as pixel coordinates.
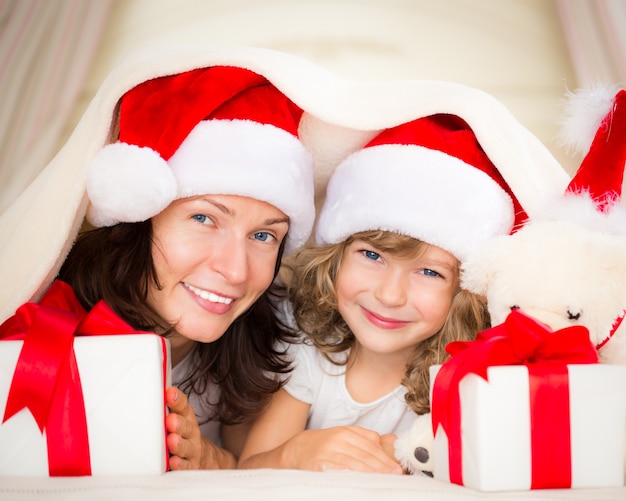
<point>429,179</point>
<point>594,123</point>
<point>601,173</point>
<point>219,130</point>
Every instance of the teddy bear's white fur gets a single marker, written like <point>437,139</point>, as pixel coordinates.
<point>560,272</point>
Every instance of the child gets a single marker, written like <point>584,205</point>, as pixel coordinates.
<point>379,299</point>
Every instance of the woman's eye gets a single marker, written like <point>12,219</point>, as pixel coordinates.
<point>201,218</point>
<point>263,236</point>
<point>431,273</point>
<point>375,256</point>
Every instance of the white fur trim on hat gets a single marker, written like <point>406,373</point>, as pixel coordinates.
<point>242,157</point>
<point>128,183</point>
<point>416,191</point>
<point>582,209</point>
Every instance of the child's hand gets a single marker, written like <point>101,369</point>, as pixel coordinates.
<point>388,442</point>
<point>342,448</point>
<point>188,449</point>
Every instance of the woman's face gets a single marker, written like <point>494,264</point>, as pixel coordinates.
<point>214,256</point>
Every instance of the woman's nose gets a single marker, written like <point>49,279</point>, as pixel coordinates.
<point>230,259</point>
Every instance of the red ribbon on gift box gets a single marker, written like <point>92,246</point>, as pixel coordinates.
<point>46,379</point>
<point>520,340</point>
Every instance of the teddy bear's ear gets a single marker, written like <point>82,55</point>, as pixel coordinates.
<point>484,264</point>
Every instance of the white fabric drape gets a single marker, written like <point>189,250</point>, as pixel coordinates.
<point>55,53</point>
<point>512,49</point>
<point>46,47</point>
<point>596,37</point>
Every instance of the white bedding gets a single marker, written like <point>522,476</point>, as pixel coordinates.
<point>271,485</point>
<point>340,116</point>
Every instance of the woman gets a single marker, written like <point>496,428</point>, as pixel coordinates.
<point>194,205</point>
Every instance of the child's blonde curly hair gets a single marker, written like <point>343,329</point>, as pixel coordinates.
<point>312,293</point>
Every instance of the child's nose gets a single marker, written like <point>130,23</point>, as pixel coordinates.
<point>391,291</point>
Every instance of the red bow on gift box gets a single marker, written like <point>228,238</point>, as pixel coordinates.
<point>46,379</point>
<point>520,340</point>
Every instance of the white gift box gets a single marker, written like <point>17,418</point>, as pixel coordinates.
<point>496,430</point>
<point>123,384</point>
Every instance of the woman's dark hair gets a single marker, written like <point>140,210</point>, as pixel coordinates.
<point>115,264</point>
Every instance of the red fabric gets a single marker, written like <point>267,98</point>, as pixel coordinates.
<point>160,113</point>
<point>46,379</point>
<point>520,340</point>
<point>451,135</point>
<point>550,445</point>
<point>601,172</point>
<point>616,323</point>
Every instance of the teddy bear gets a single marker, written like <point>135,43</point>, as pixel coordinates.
<point>566,266</point>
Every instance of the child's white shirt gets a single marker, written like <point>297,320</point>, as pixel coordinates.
<point>318,382</point>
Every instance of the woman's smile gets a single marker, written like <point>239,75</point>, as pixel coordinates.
<point>207,295</point>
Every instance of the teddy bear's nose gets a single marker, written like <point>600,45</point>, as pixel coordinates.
<point>573,316</point>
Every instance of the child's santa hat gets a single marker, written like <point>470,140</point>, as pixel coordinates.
<point>219,130</point>
<point>429,179</point>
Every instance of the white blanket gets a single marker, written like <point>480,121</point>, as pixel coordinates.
<point>39,228</point>
<point>273,485</point>
<point>341,115</point>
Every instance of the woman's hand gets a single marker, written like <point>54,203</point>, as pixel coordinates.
<point>188,449</point>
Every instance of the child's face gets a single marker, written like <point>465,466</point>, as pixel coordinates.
<point>214,256</point>
<point>391,304</point>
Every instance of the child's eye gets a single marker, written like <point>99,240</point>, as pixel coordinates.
<point>264,236</point>
<point>369,254</point>
<point>431,273</point>
<point>202,219</point>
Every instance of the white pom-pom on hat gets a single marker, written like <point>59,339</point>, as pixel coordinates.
<point>583,112</point>
<point>128,183</point>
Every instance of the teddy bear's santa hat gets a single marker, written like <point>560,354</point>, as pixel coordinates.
<point>429,179</point>
<point>601,173</point>
<point>218,130</point>
<point>595,123</point>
